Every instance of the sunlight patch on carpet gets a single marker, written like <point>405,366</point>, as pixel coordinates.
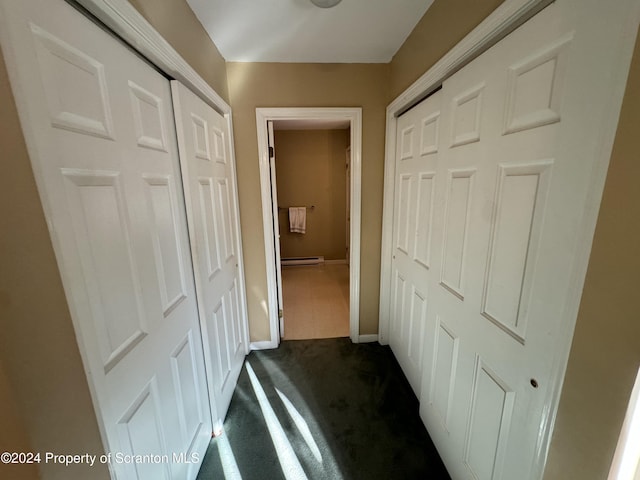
<point>301,425</point>
<point>289,462</point>
<point>228,460</point>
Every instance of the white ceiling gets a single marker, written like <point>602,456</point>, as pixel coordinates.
<point>354,31</point>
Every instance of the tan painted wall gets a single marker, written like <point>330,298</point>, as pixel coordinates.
<point>37,345</point>
<point>310,170</point>
<point>605,354</point>
<point>445,24</point>
<point>179,26</point>
<point>13,434</point>
<point>254,85</point>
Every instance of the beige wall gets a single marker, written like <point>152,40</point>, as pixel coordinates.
<point>179,26</point>
<point>37,345</point>
<point>254,85</point>
<point>605,354</point>
<point>13,434</point>
<point>445,24</point>
<point>310,170</point>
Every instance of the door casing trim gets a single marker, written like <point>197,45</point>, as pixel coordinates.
<point>354,116</point>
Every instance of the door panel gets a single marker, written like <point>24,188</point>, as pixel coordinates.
<point>456,228</point>
<point>489,421</point>
<point>98,209</point>
<point>415,329</point>
<point>161,202</point>
<point>209,181</point>
<point>99,125</point>
<point>535,88</point>
<point>443,374</point>
<point>142,433</point>
<point>150,128</point>
<point>424,219</point>
<point>515,232</point>
<point>466,113</point>
<point>404,214</point>
<point>188,395</point>
<point>211,236</point>
<point>75,88</point>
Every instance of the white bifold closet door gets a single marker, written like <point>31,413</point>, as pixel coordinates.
<point>100,129</point>
<point>492,177</point>
<point>210,186</point>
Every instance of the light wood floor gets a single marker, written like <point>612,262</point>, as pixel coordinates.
<point>316,301</point>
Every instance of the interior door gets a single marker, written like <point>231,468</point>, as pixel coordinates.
<point>276,222</point>
<point>210,186</point>
<point>511,185</point>
<point>100,131</point>
<point>416,162</point>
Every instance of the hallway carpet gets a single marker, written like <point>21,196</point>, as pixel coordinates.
<point>358,418</point>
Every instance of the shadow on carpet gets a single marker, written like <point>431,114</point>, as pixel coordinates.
<point>335,410</point>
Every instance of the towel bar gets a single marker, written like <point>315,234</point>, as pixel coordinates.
<point>312,207</point>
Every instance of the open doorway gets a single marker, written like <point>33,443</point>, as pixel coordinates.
<point>331,220</point>
<point>311,168</point>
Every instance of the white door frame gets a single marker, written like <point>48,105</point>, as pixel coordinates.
<point>276,224</point>
<point>496,26</point>
<point>354,116</point>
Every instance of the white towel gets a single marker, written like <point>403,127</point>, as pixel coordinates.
<point>297,219</point>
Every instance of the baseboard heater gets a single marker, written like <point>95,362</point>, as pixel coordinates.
<point>302,261</point>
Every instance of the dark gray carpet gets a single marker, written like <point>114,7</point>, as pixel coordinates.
<point>356,402</point>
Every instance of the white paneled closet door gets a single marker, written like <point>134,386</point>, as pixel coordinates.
<point>100,130</point>
<point>211,199</point>
<point>416,163</point>
<point>492,182</point>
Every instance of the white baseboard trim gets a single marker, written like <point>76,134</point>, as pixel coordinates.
<point>263,345</point>
<point>368,338</point>
<point>336,262</point>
